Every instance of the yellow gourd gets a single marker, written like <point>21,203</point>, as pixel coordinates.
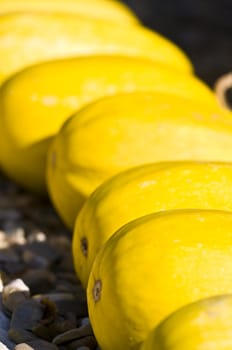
<point>35,102</point>
<point>140,191</point>
<point>103,9</point>
<point>27,38</point>
<point>202,325</point>
<point>125,130</point>
<point>154,265</point>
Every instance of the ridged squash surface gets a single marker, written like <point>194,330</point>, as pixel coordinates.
<point>140,191</point>
<point>40,98</point>
<point>125,130</point>
<point>27,38</point>
<point>154,265</point>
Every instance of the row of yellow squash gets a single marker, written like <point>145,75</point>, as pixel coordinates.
<point>107,118</point>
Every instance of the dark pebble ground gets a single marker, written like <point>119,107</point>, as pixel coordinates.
<point>42,304</point>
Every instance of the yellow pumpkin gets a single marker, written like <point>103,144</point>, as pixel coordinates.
<point>204,324</point>
<point>125,130</point>
<point>154,265</point>
<point>139,191</point>
<point>40,98</point>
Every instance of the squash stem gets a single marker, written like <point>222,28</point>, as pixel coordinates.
<point>221,88</point>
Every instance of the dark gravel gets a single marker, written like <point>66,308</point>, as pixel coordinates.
<point>42,304</point>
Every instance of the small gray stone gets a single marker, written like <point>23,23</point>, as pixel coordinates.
<point>85,321</point>
<point>89,342</point>
<point>66,302</point>
<point>37,344</point>
<point>4,321</point>
<point>73,334</point>
<point>8,255</point>
<point>14,293</point>
<point>39,280</point>
<point>23,346</point>
<point>40,254</point>
<point>3,346</point>
<point>24,318</point>
<point>4,340</point>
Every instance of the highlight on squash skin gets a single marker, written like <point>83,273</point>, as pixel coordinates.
<point>140,191</point>
<point>46,95</point>
<point>37,37</point>
<point>131,134</point>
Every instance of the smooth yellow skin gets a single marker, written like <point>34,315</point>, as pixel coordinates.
<point>103,9</point>
<point>154,265</point>
<point>143,190</point>
<point>126,130</point>
<point>39,99</point>
<point>202,325</point>
<point>27,38</point>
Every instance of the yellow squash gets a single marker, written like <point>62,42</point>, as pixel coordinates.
<point>154,265</point>
<point>140,191</point>
<point>202,325</point>
<point>125,130</point>
<point>35,103</point>
<point>31,37</point>
<point>103,9</point>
